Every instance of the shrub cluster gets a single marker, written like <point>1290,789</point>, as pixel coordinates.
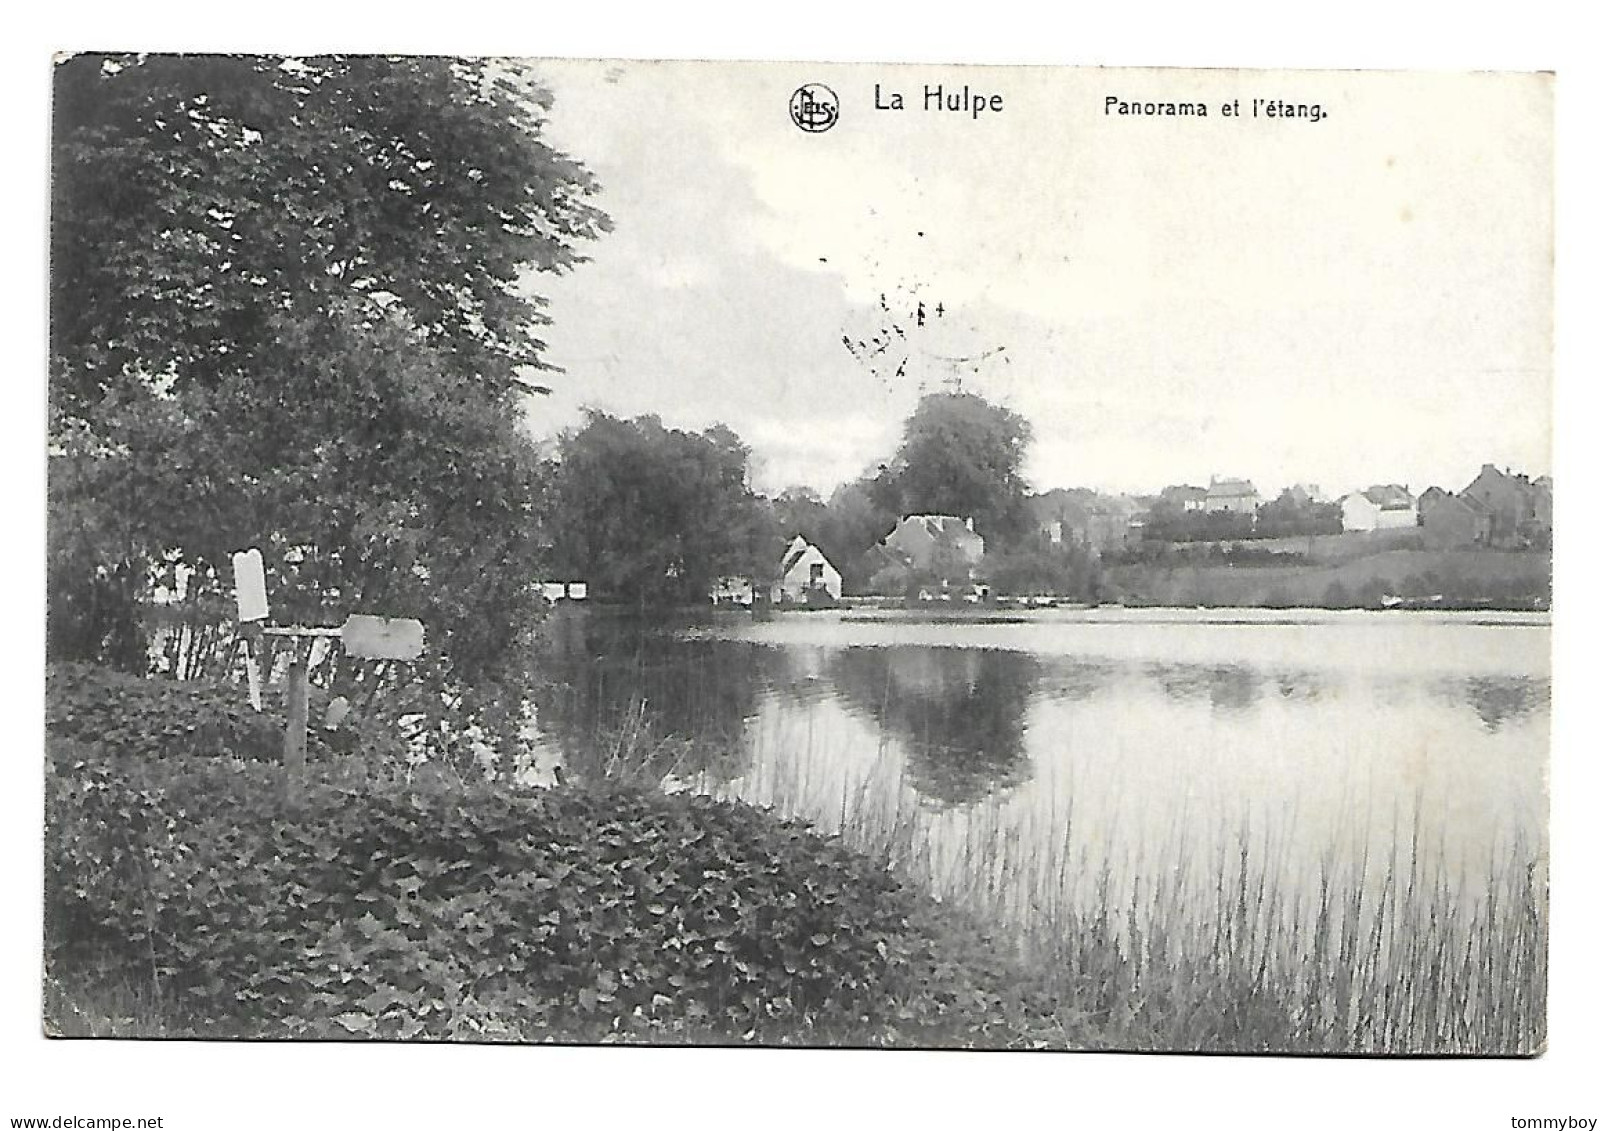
<point>390,903</point>
<point>126,716</point>
<point>480,913</point>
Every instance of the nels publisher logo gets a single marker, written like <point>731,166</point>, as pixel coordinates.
<point>814,108</point>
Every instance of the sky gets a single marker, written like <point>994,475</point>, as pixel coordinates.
<point>1360,299</point>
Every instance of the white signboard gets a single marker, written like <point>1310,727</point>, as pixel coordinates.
<point>251,590</point>
<point>383,638</point>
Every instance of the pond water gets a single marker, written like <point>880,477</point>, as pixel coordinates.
<point>1036,758</point>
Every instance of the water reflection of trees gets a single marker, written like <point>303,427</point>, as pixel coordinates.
<point>625,687</point>
<point>1500,699</point>
<point>959,713</point>
<point>1074,682</point>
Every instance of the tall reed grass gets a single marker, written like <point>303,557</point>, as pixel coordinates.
<point>1226,933</point>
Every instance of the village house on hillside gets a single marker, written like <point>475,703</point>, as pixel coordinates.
<point>932,541</point>
<point>1231,496</point>
<point>1542,502</point>
<point>806,575</point>
<point>934,545</point>
<point>1449,521</point>
<point>1086,518</point>
<point>1520,509</point>
<point>1387,506</point>
<point>1186,498</point>
<point>1110,522</point>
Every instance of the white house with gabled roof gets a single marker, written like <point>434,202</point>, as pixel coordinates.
<point>1384,506</point>
<point>805,570</point>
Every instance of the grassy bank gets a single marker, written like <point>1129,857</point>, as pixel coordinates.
<point>187,897</point>
<point>1478,578</point>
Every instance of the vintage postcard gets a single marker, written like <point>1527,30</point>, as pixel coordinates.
<point>799,555</point>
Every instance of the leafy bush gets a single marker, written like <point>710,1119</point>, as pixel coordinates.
<point>473,912</point>
<point>142,719</point>
<point>390,902</point>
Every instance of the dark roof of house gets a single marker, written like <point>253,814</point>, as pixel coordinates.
<point>939,525</point>
<point>1435,498</point>
<point>1229,489</point>
<point>796,550</point>
<point>1389,497</point>
<point>1490,471</point>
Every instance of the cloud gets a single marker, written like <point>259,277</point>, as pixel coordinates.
<point>1365,299</point>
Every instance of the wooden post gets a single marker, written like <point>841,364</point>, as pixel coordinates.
<point>296,725</point>
<point>250,635</point>
<point>378,638</point>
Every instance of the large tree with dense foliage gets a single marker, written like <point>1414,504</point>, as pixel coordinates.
<point>1296,513</point>
<point>651,514</point>
<point>292,307</point>
<point>200,203</point>
<point>962,456</point>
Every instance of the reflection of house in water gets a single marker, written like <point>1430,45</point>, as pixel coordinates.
<point>934,672</point>
<point>803,663</point>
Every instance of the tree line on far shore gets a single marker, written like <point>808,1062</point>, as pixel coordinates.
<point>655,515</point>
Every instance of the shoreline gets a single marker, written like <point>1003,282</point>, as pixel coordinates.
<point>389,905</point>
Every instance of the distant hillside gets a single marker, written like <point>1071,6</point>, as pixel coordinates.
<point>1500,579</point>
